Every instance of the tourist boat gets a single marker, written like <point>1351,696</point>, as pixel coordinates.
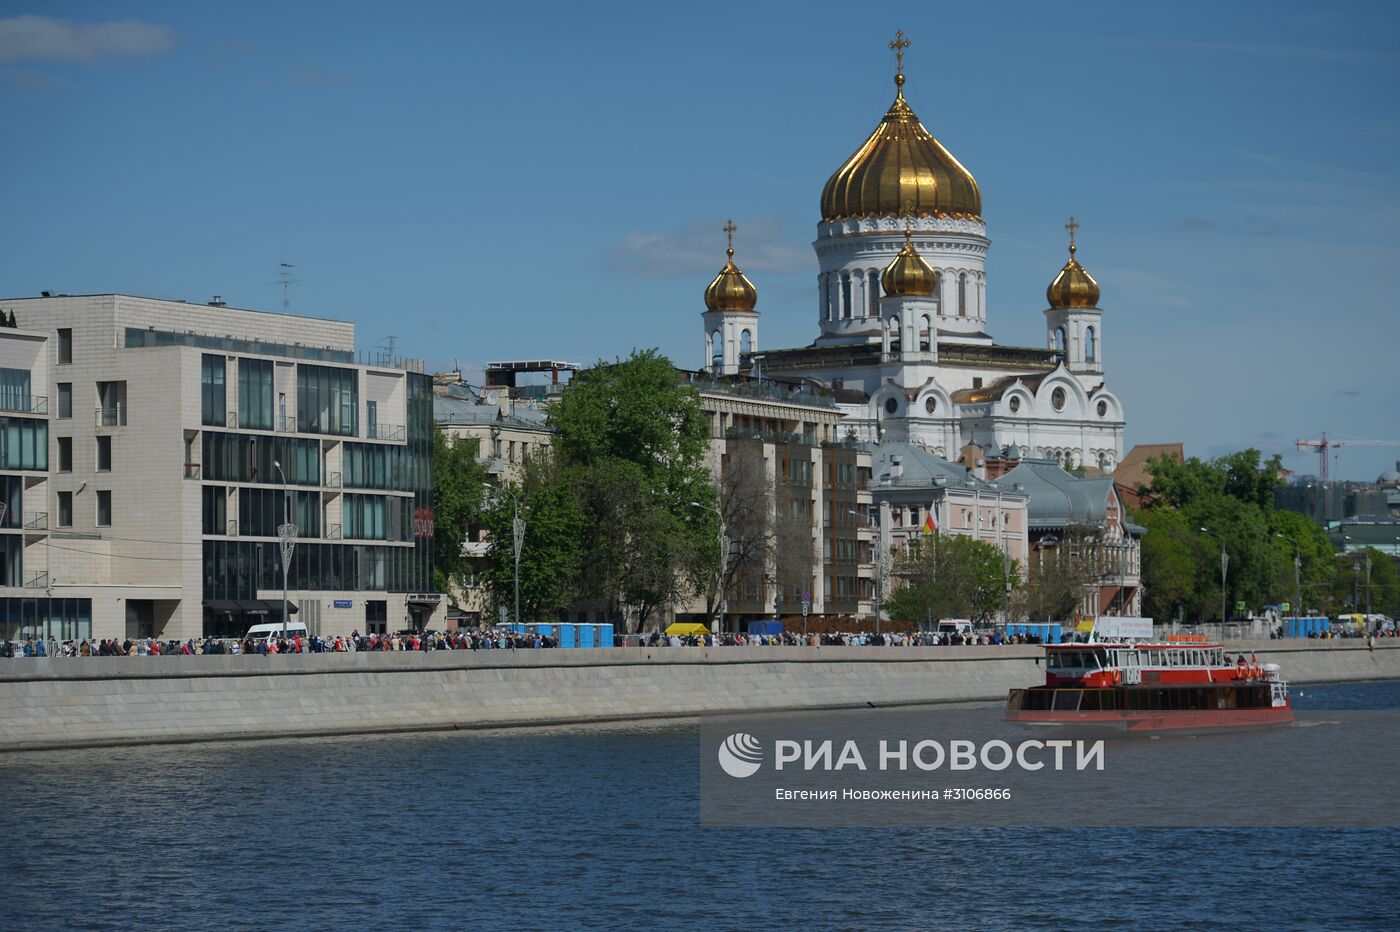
<point>1184,684</point>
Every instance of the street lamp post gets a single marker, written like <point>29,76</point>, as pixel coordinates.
<point>1224,571</point>
<point>287,536</point>
<point>517,534</point>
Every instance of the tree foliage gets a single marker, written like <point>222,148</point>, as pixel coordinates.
<point>1196,509</point>
<point>621,511</point>
<point>1056,577</point>
<point>549,553</point>
<point>950,576</point>
<point>458,480</point>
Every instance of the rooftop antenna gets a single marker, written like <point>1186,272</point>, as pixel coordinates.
<point>284,278</point>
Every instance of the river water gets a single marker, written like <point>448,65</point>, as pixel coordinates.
<point>597,828</point>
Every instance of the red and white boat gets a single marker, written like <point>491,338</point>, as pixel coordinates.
<point>1184,683</point>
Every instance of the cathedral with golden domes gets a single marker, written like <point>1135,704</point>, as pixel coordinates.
<point>903,342</point>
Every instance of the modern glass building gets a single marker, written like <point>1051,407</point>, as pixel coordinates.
<point>151,451</point>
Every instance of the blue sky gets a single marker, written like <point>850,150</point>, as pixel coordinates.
<point>549,180</point>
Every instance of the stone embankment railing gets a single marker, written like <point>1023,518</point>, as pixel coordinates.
<point>88,702</point>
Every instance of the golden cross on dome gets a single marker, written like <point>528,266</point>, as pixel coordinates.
<point>907,212</point>
<point>1071,226</point>
<point>729,229</point>
<point>899,45</point>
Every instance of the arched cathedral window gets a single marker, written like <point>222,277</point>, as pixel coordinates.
<point>745,342</point>
<point>717,349</point>
<point>1060,341</point>
<point>1091,348</point>
<point>846,295</point>
<point>872,290</point>
<point>962,294</point>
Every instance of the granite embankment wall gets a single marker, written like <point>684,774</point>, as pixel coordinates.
<point>64,703</point>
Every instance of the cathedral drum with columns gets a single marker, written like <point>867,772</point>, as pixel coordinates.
<point>902,312</point>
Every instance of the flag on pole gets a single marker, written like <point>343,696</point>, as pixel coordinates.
<point>930,525</point>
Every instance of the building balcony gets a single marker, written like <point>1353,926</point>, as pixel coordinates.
<point>192,471</point>
<point>36,581</point>
<point>36,521</point>
<point>24,404</point>
<point>286,424</point>
<point>333,480</point>
<point>333,532</point>
<point>386,432</point>
<point>110,416</point>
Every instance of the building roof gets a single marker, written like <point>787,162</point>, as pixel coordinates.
<point>1058,499</point>
<point>998,388</point>
<point>920,468</point>
<point>454,411</point>
<point>1131,472</point>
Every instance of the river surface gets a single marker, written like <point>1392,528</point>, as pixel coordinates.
<point>596,828</point>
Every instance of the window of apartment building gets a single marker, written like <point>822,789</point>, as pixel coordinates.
<point>213,394</point>
<point>65,399</point>
<point>255,393</point>
<point>65,509</point>
<point>215,509</point>
<point>371,419</point>
<point>104,454</point>
<point>24,443</point>
<point>111,400</point>
<point>14,390</point>
<point>12,495</point>
<point>65,454</point>
<point>328,400</point>
<point>65,345</point>
<point>512,451</point>
<point>104,508</point>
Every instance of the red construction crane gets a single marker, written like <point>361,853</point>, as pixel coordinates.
<point>1322,443</point>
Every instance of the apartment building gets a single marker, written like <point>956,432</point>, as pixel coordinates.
<point>151,450</point>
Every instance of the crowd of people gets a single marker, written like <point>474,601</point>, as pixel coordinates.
<point>497,639</point>
<point>476,639</point>
<point>841,639</point>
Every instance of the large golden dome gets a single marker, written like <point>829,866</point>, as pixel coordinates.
<point>1073,287</point>
<point>731,290</point>
<point>901,162</point>
<point>909,274</point>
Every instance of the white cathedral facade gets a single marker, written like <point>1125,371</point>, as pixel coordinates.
<point>902,311</point>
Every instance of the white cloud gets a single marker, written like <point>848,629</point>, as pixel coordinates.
<point>43,38</point>
<point>760,245</point>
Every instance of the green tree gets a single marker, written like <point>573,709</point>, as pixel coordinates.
<point>549,554</point>
<point>1299,536</point>
<point>1225,504</point>
<point>633,439</point>
<point>458,480</point>
<point>1057,575</point>
<point>950,576</point>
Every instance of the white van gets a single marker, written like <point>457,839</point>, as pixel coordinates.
<point>955,626</point>
<point>274,630</point>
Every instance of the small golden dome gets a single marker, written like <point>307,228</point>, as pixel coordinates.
<point>901,162</point>
<point>731,290</point>
<point>1073,287</point>
<point>909,274</point>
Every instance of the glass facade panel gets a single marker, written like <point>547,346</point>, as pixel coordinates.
<point>328,400</point>
<point>215,509</point>
<point>11,560</point>
<point>12,497</point>
<point>24,443</point>
<point>212,391</point>
<point>60,619</point>
<point>14,389</point>
<point>249,458</point>
<point>137,338</point>
<point>255,393</point>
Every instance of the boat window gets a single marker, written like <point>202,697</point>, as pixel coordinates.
<point>1100,656</point>
<point>1067,700</point>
